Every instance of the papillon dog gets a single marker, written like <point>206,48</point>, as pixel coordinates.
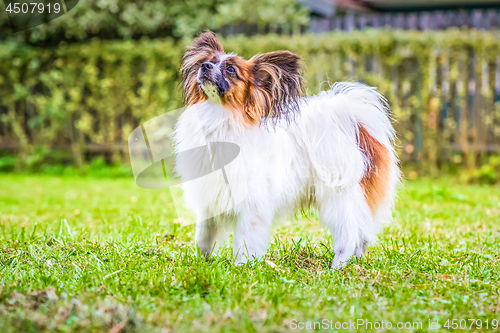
<point>332,153</point>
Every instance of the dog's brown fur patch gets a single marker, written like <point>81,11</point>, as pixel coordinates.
<point>376,179</point>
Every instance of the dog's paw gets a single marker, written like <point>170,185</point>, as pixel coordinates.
<point>361,250</point>
<point>339,262</point>
<point>338,265</point>
<point>240,260</point>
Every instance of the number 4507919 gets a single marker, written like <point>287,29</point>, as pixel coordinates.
<point>32,7</point>
<point>464,324</point>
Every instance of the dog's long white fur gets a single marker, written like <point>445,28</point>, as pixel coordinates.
<point>312,163</point>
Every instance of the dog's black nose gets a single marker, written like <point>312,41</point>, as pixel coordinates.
<point>206,66</point>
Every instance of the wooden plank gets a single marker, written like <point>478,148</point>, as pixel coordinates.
<point>362,22</point>
<point>400,21</point>
<point>350,23</point>
<point>387,20</point>
<point>477,19</point>
<point>438,105</point>
<point>413,21</point>
<point>490,19</point>
<point>425,21</point>
<point>478,115</point>
<point>464,109</point>
<point>439,20</point>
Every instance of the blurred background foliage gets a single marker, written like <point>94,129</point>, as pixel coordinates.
<point>128,19</point>
<point>72,90</point>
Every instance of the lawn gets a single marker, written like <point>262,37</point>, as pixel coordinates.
<point>95,254</point>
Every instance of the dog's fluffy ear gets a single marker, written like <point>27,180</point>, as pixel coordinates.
<point>203,48</point>
<point>206,40</point>
<point>279,83</point>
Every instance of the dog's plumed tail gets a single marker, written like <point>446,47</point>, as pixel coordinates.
<point>354,119</point>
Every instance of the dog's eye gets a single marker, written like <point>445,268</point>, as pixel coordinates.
<point>230,69</point>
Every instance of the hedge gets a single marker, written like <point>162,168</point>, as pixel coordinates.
<point>133,19</point>
<point>86,98</point>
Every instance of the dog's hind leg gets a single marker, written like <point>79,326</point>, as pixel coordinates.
<point>347,216</point>
<point>251,238</point>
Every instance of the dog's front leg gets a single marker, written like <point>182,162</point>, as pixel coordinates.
<point>251,238</point>
<point>210,236</point>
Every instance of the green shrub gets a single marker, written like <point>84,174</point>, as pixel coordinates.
<point>488,173</point>
<point>7,163</point>
<point>128,19</point>
<point>85,99</point>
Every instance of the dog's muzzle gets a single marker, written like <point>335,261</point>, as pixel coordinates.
<point>211,81</point>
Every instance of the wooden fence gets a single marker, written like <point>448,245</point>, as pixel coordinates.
<point>445,102</point>
<point>486,19</point>
<point>436,20</point>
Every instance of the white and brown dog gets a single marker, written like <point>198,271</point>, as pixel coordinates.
<point>332,153</point>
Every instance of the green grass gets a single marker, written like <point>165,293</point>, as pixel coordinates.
<point>84,254</point>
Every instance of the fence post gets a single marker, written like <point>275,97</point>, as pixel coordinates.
<point>451,128</point>
<point>464,111</point>
<point>417,109</point>
<point>490,97</point>
<point>478,109</point>
<point>438,107</point>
